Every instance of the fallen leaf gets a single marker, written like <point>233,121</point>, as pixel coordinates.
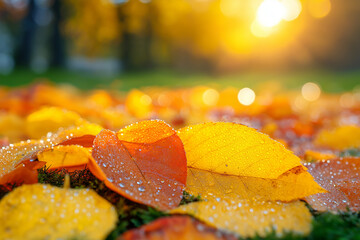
<point>44,212</point>
<point>24,173</point>
<point>341,178</point>
<point>39,123</point>
<point>146,165</point>
<point>11,156</point>
<point>291,185</point>
<point>217,165</point>
<point>234,149</point>
<point>65,156</point>
<point>84,141</point>
<point>341,138</point>
<point>174,228</point>
<point>248,219</point>
<point>12,126</point>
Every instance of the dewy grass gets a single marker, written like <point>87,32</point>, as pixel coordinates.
<point>342,225</point>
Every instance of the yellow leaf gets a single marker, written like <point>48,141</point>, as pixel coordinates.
<point>342,137</point>
<point>65,156</point>
<point>247,218</point>
<point>292,185</point>
<point>11,126</point>
<point>234,149</point>
<point>39,123</point>
<point>45,212</point>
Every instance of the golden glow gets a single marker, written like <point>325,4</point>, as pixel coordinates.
<point>319,8</point>
<point>270,13</point>
<point>310,91</point>
<point>210,97</point>
<point>145,99</point>
<point>292,9</point>
<point>231,8</point>
<point>347,100</point>
<point>259,30</point>
<point>246,96</point>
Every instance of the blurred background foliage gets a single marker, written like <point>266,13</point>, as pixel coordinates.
<point>211,36</point>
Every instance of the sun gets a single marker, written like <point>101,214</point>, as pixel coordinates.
<point>270,13</point>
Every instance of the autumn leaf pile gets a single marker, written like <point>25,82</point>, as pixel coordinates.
<point>228,171</point>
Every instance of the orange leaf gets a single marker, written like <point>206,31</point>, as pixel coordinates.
<point>84,141</point>
<point>176,228</point>
<point>24,173</point>
<point>341,178</point>
<point>147,164</point>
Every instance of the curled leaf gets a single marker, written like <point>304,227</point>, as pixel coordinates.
<point>341,178</point>
<point>45,212</point>
<point>174,228</point>
<point>234,149</point>
<point>147,166</point>
<point>248,219</point>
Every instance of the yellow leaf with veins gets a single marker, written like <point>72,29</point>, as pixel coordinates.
<point>234,149</point>
<point>45,212</point>
<point>249,218</point>
<point>292,185</point>
<point>65,156</point>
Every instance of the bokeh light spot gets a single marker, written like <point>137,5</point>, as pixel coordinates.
<point>246,96</point>
<point>310,91</point>
<point>319,8</point>
<point>210,97</point>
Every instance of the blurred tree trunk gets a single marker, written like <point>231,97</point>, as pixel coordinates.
<point>27,36</point>
<point>57,40</point>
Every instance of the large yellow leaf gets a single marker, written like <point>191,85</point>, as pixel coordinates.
<point>342,137</point>
<point>248,219</point>
<point>65,156</point>
<point>234,149</point>
<point>293,184</point>
<point>45,212</point>
<point>39,123</point>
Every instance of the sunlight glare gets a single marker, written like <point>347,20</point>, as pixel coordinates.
<point>270,13</point>
<point>292,9</point>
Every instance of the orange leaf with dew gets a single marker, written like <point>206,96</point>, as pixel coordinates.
<point>45,212</point>
<point>251,218</point>
<point>147,164</point>
<point>25,173</point>
<point>174,228</point>
<point>341,178</point>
